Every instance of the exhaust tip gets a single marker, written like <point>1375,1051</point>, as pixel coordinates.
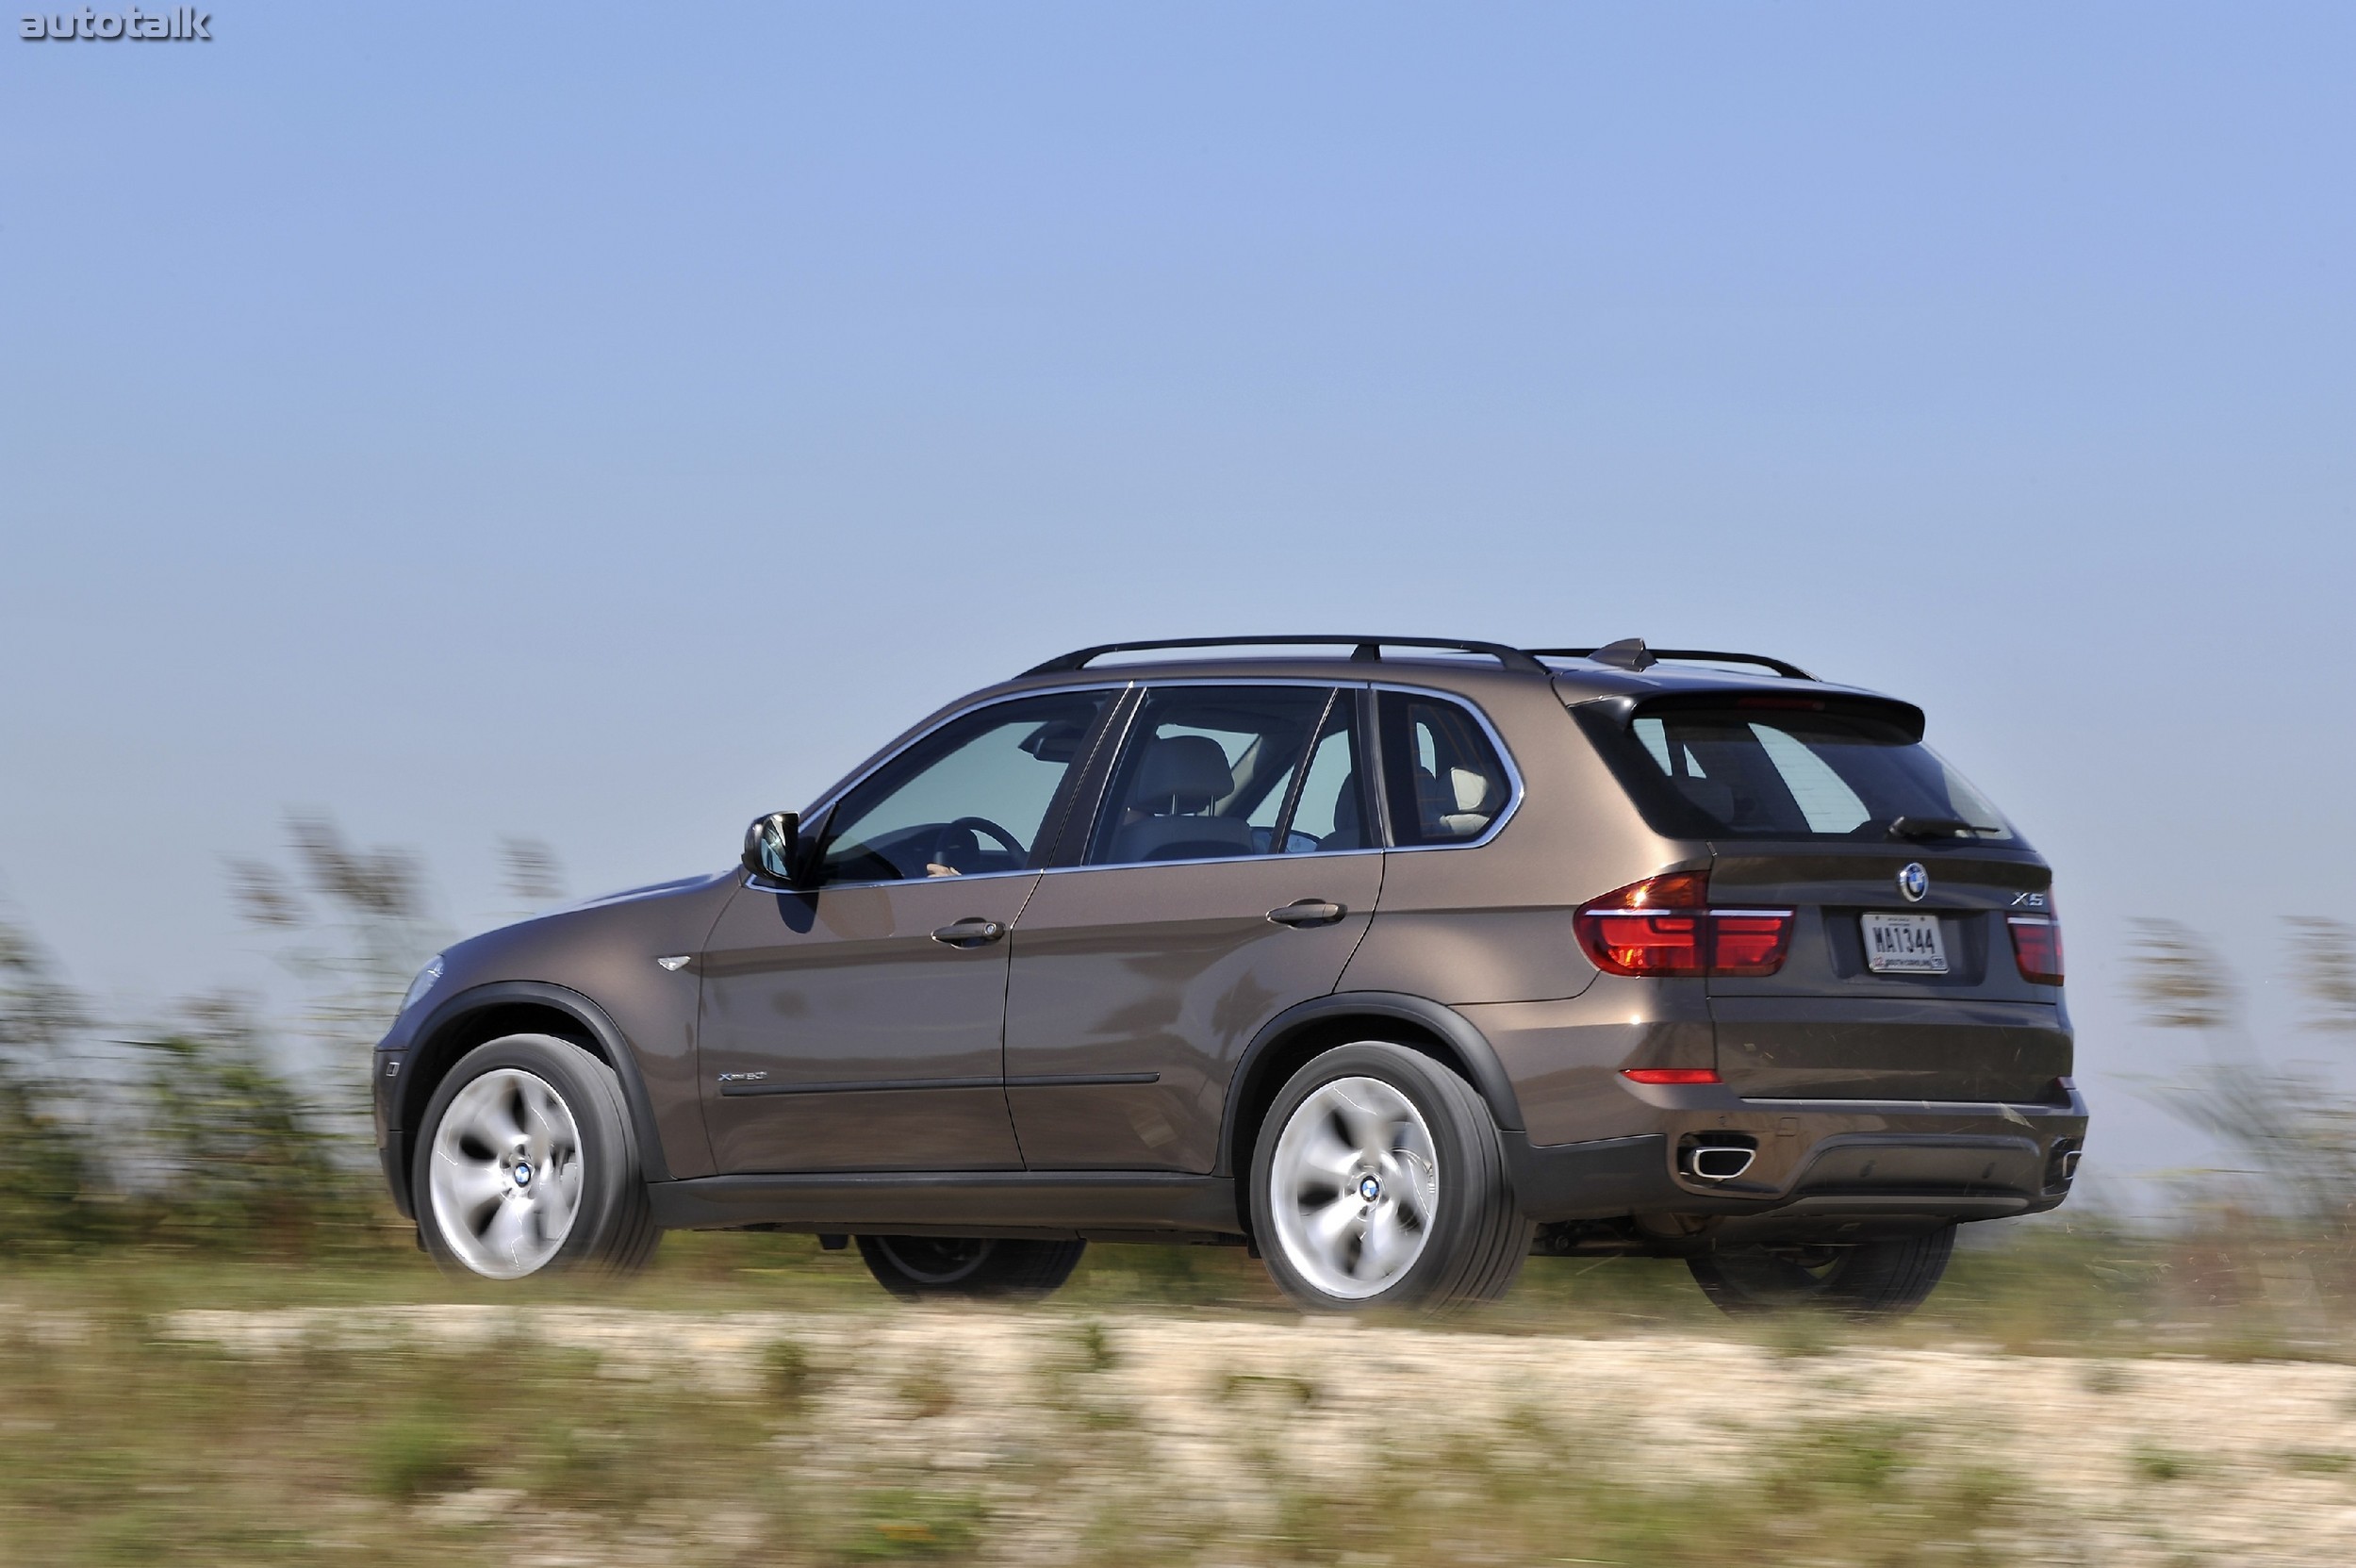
<point>1721,1162</point>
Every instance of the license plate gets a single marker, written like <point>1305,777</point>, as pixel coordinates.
<point>1904,945</point>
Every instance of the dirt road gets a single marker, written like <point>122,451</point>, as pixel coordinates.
<point>1216,1431</point>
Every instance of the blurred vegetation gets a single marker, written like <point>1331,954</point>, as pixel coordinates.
<point>352,925</point>
<point>2288,1126</point>
<point>213,1130</point>
<point>44,1172</point>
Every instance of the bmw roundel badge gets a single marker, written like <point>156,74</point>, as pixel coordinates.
<point>1914,881</point>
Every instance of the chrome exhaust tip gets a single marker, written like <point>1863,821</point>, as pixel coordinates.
<point>1720,1162</point>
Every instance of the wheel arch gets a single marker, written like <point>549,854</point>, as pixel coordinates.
<point>487,1013</point>
<point>1287,1041</point>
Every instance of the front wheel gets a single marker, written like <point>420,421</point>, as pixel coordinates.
<point>1379,1181</point>
<point>915,1267</point>
<point>1877,1278</point>
<point>527,1163</point>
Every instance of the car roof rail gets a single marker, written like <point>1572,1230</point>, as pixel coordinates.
<point>1631,653</point>
<point>1363,649</point>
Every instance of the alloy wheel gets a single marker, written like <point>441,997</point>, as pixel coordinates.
<point>507,1174</point>
<point>1354,1186</point>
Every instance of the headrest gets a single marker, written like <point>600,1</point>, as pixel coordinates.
<point>1182,773</point>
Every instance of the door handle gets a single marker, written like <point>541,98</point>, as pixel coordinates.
<point>970,933</point>
<point>1308,912</point>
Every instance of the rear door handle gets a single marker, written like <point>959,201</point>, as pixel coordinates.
<point>1308,912</point>
<point>970,933</point>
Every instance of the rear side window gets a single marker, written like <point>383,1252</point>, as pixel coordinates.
<point>1809,775</point>
<point>1441,774</point>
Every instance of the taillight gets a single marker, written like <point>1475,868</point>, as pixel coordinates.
<point>1663,926</point>
<point>2037,948</point>
<point>1653,927</point>
<point>1670,1075</point>
<point>1749,941</point>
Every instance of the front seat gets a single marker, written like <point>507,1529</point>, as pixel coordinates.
<point>1163,817</point>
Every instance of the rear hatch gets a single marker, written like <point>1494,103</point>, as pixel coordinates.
<point>1905,889</point>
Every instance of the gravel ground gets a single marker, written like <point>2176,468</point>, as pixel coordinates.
<point>2154,1460</point>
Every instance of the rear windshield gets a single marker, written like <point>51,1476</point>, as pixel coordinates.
<point>1729,773</point>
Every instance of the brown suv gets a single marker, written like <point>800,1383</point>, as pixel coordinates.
<point>1394,964</point>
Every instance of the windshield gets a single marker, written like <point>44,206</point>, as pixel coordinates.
<point>1812,775</point>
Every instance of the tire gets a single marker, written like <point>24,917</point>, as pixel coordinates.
<point>1378,1182</point>
<point>1880,1278</point>
<point>915,1268</point>
<point>527,1166</point>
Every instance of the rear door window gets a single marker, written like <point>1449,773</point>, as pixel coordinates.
<point>1329,809</point>
<point>1812,775</point>
<point>1222,772</point>
<point>1441,774</point>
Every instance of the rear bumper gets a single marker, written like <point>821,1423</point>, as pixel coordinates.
<point>1825,1163</point>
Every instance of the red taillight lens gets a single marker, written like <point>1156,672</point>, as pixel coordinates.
<point>1647,928</point>
<point>1749,941</point>
<point>1628,942</point>
<point>1670,1075</point>
<point>1663,927</point>
<point>2037,948</point>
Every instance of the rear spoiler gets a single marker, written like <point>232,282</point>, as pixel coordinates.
<point>1903,719</point>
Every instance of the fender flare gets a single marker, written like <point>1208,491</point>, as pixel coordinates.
<point>1470,1045</point>
<point>612,1042</point>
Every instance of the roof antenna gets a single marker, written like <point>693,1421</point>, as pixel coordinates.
<point>1627,653</point>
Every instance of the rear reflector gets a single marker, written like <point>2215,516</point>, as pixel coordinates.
<point>1662,927</point>
<point>2037,948</point>
<point>1670,1075</point>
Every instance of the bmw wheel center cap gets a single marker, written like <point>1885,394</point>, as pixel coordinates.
<point>1913,883</point>
<point>524,1174</point>
<point>1369,1189</point>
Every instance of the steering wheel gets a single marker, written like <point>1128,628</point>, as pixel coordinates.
<point>969,826</point>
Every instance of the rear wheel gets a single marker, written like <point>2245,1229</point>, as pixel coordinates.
<point>527,1164</point>
<point>1886,1277</point>
<point>1379,1181</point>
<point>915,1267</point>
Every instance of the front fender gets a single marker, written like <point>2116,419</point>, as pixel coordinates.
<point>436,1044</point>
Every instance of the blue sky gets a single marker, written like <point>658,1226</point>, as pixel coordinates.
<point>605,422</point>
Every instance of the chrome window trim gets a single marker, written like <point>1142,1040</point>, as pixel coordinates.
<point>750,884</point>
<point>1205,860</point>
<point>1504,756</point>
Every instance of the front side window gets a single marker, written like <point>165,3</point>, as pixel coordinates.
<point>981,794</point>
<point>1804,774</point>
<point>1445,781</point>
<point>1216,773</point>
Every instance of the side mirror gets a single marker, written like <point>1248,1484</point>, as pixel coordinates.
<point>773,847</point>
